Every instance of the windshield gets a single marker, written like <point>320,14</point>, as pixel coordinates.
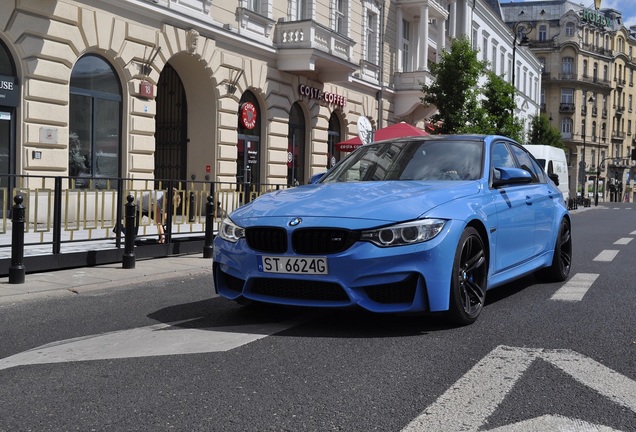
<point>411,160</point>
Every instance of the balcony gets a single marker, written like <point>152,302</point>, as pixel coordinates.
<point>595,80</point>
<point>408,86</point>
<point>604,113</point>
<point>617,135</point>
<point>567,76</point>
<point>545,44</point>
<point>566,107</point>
<point>619,110</point>
<point>594,111</point>
<point>306,46</point>
<point>620,83</point>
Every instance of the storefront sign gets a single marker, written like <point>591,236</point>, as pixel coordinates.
<point>328,97</point>
<point>9,91</point>
<point>597,18</point>
<point>146,90</point>
<point>347,147</point>
<point>248,115</point>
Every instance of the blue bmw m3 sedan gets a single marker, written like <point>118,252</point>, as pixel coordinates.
<point>421,224</point>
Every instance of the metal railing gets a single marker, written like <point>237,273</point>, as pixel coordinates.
<point>63,210</point>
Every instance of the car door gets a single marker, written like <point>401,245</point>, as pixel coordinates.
<point>514,232</point>
<point>542,201</point>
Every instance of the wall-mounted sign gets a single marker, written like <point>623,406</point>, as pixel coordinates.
<point>9,91</point>
<point>328,97</point>
<point>595,17</point>
<point>48,135</point>
<point>146,89</point>
<point>248,115</point>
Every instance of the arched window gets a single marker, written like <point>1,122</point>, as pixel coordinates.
<point>333,138</point>
<point>94,120</point>
<point>296,147</point>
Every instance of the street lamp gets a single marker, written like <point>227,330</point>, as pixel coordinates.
<point>521,30</point>
<point>582,171</point>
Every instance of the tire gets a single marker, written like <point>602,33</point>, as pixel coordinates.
<point>469,278</point>
<point>559,270</point>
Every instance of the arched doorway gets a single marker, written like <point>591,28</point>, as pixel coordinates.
<point>296,147</point>
<point>248,145</point>
<point>171,127</point>
<point>9,100</point>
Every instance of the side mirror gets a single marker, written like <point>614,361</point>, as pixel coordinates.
<point>555,178</point>
<point>316,178</point>
<point>506,176</point>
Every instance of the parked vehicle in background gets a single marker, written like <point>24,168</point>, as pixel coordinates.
<point>421,224</point>
<point>553,161</point>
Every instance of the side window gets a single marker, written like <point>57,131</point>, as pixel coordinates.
<point>500,157</point>
<point>527,163</point>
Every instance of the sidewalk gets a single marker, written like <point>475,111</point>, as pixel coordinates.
<point>75,281</point>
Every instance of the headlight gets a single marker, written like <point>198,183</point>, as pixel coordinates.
<point>405,233</point>
<point>230,231</point>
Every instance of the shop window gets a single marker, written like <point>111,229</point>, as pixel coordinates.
<point>333,138</point>
<point>94,121</point>
<point>248,145</point>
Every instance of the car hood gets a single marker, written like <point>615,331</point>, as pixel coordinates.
<point>387,201</point>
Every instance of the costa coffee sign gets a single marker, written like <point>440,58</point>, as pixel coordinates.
<point>327,97</point>
<point>248,115</point>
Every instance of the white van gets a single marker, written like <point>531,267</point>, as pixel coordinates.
<point>553,161</point>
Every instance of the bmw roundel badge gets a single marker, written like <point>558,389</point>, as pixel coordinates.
<point>295,221</point>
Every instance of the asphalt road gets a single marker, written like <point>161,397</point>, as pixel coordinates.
<point>167,355</point>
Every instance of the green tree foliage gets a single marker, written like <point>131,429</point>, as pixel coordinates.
<point>462,106</point>
<point>498,104</point>
<point>454,88</point>
<point>542,132</point>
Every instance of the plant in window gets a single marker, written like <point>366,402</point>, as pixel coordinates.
<point>77,163</point>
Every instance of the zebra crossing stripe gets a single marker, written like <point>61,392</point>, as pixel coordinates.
<point>576,288</point>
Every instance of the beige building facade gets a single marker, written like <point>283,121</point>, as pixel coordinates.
<point>254,92</point>
<point>589,59</point>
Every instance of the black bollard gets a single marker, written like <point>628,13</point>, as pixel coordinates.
<point>128,260</point>
<point>17,269</point>
<point>209,226</point>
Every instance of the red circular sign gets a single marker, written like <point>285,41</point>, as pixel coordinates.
<point>248,115</point>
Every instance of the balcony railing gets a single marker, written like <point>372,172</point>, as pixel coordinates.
<point>595,80</point>
<point>566,107</point>
<point>307,46</point>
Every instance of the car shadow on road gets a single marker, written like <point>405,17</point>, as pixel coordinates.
<point>222,315</point>
<point>218,314</point>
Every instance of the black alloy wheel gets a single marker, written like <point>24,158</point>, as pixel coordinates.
<point>562,260</point>
<point>469,278</point>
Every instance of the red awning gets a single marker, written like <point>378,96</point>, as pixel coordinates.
<point>398,130</point>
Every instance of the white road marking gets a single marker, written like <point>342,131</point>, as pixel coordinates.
<point>553,423</point>
<point>606,255</point>
<point>155,340</point>
<point>623,241</point>
<point>633,233</point>
<point>467,404</point>
<point>576,288</point>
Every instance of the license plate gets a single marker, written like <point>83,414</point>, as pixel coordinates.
<point>293,265</point>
